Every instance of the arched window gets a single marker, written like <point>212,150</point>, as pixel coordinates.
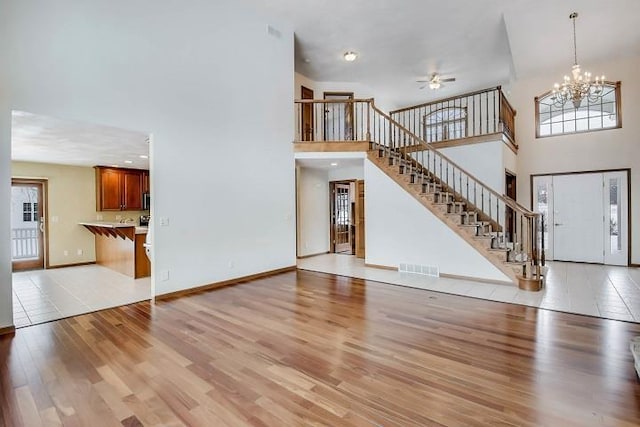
<point>445,123</point>
<point>604,113</point>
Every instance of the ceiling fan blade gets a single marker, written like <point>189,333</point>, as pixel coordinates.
<point>423,81</point>
<point>450,79</point>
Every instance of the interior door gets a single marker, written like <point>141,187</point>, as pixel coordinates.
<point>578,227</point>
<point>341,218</point>
<point>359,219</point>
<point>27,225</point>
<point>510,191</point>
<point>338,117</point>
<point>307,115</point>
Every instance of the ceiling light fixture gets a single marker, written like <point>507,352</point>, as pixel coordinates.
<point>350,56</point>
<point>334,164</point>
<point>144,156</point>
<point>579,86</point>
<point>129,162</point>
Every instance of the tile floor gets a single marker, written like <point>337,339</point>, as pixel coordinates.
<point>595,290</point>
<point>43,295</point>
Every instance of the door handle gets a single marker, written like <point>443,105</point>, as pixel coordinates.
<point>41,225</point>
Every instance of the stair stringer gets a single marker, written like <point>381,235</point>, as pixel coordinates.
<point>479,244</point>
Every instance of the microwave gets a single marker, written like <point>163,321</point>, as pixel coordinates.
<point>146,201</point>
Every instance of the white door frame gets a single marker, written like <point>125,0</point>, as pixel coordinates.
<point>609,259</point>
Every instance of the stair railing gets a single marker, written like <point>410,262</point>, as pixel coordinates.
<point>483,112</point>
<point>512,228</point>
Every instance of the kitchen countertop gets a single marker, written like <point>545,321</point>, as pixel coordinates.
<point>107,224</point>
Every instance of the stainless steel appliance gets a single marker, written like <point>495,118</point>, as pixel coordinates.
<point>144,220</point>
<point>146,201</point>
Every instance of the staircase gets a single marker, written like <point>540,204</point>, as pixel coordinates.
<point>504,232</point>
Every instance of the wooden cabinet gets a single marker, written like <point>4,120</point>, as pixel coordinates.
<point>119,189</point>
<point>145,182</point>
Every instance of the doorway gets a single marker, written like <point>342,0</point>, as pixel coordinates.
<point>338,117</point>
<point>510,192</point>
<point>586,216</point>
<point>342,238</point>
<point>28,227</point>
<point>307,115</point>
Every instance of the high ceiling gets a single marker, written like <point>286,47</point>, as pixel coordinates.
<point>481,43</point>
<point>42,139</point>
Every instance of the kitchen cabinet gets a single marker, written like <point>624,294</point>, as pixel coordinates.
<point>119,189</point>
<point>145,182</point>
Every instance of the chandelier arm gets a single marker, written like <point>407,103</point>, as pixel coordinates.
<point>574,15</point>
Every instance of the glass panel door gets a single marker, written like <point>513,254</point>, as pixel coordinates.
<point>27,225</point>
<point>616,218</point>
<point>342,218</point>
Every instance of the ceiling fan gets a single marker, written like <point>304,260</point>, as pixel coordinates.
<point>435,81</point>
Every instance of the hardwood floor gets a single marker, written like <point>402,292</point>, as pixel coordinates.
<point>305,348</point>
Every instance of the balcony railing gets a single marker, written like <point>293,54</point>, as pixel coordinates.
<point>24,243</point>
<point>484,112</point>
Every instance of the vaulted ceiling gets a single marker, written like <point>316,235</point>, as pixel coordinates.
<point>481,43</point>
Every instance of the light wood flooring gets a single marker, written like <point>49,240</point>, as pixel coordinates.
<point>307,348</point>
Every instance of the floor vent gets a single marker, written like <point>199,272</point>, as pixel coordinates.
<point>425,270</point>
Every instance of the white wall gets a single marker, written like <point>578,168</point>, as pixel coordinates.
<point>346,173</point>
<point>401,230</point>
<point>608,149</point>
<point>313,211</point>
<point>484,161</point>
<point>176,72</point>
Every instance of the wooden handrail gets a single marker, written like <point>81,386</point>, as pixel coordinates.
<point>508,202</point>
<point>451,98</point>
<point>331,101</point>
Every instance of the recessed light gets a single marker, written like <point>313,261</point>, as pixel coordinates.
<point>129,162</point>
<point>334,164</point>
<point>114,166</point>
<point>350,56</point>
<point>144,156</point>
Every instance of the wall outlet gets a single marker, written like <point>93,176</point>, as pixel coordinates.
<point>164,275</point>
<point>55,219</point>
<point>99,217</point>
<point>80,252</point>
<point>66,252</point>
<point>231,264</point>
<point>164,221</point>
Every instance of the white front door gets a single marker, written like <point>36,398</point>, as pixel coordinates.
<point>578,220</point>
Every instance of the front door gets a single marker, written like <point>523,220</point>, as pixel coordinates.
<point>27,224</point>
<point>578,220</point>
<point>341,218</point>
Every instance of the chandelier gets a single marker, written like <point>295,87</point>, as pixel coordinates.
<point>579,86</point>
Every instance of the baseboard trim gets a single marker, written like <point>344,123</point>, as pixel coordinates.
<point>381,267</point>
<point>8,330</point>
<point>312,255</point>
<point>475,279</point>
<point>224,283</point>
<point>77,264</point>
<point>634,265</point>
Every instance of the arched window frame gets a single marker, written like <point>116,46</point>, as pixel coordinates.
<point>453,126</point>
<point>545,115</point>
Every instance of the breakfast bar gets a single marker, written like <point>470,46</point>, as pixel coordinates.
<point>120,247</point>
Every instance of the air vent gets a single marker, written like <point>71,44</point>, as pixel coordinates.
<point>273,32</point>
<point>425,270</point>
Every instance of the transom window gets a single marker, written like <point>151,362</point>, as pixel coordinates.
<point>445,123</point>
<point>603,114</point>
